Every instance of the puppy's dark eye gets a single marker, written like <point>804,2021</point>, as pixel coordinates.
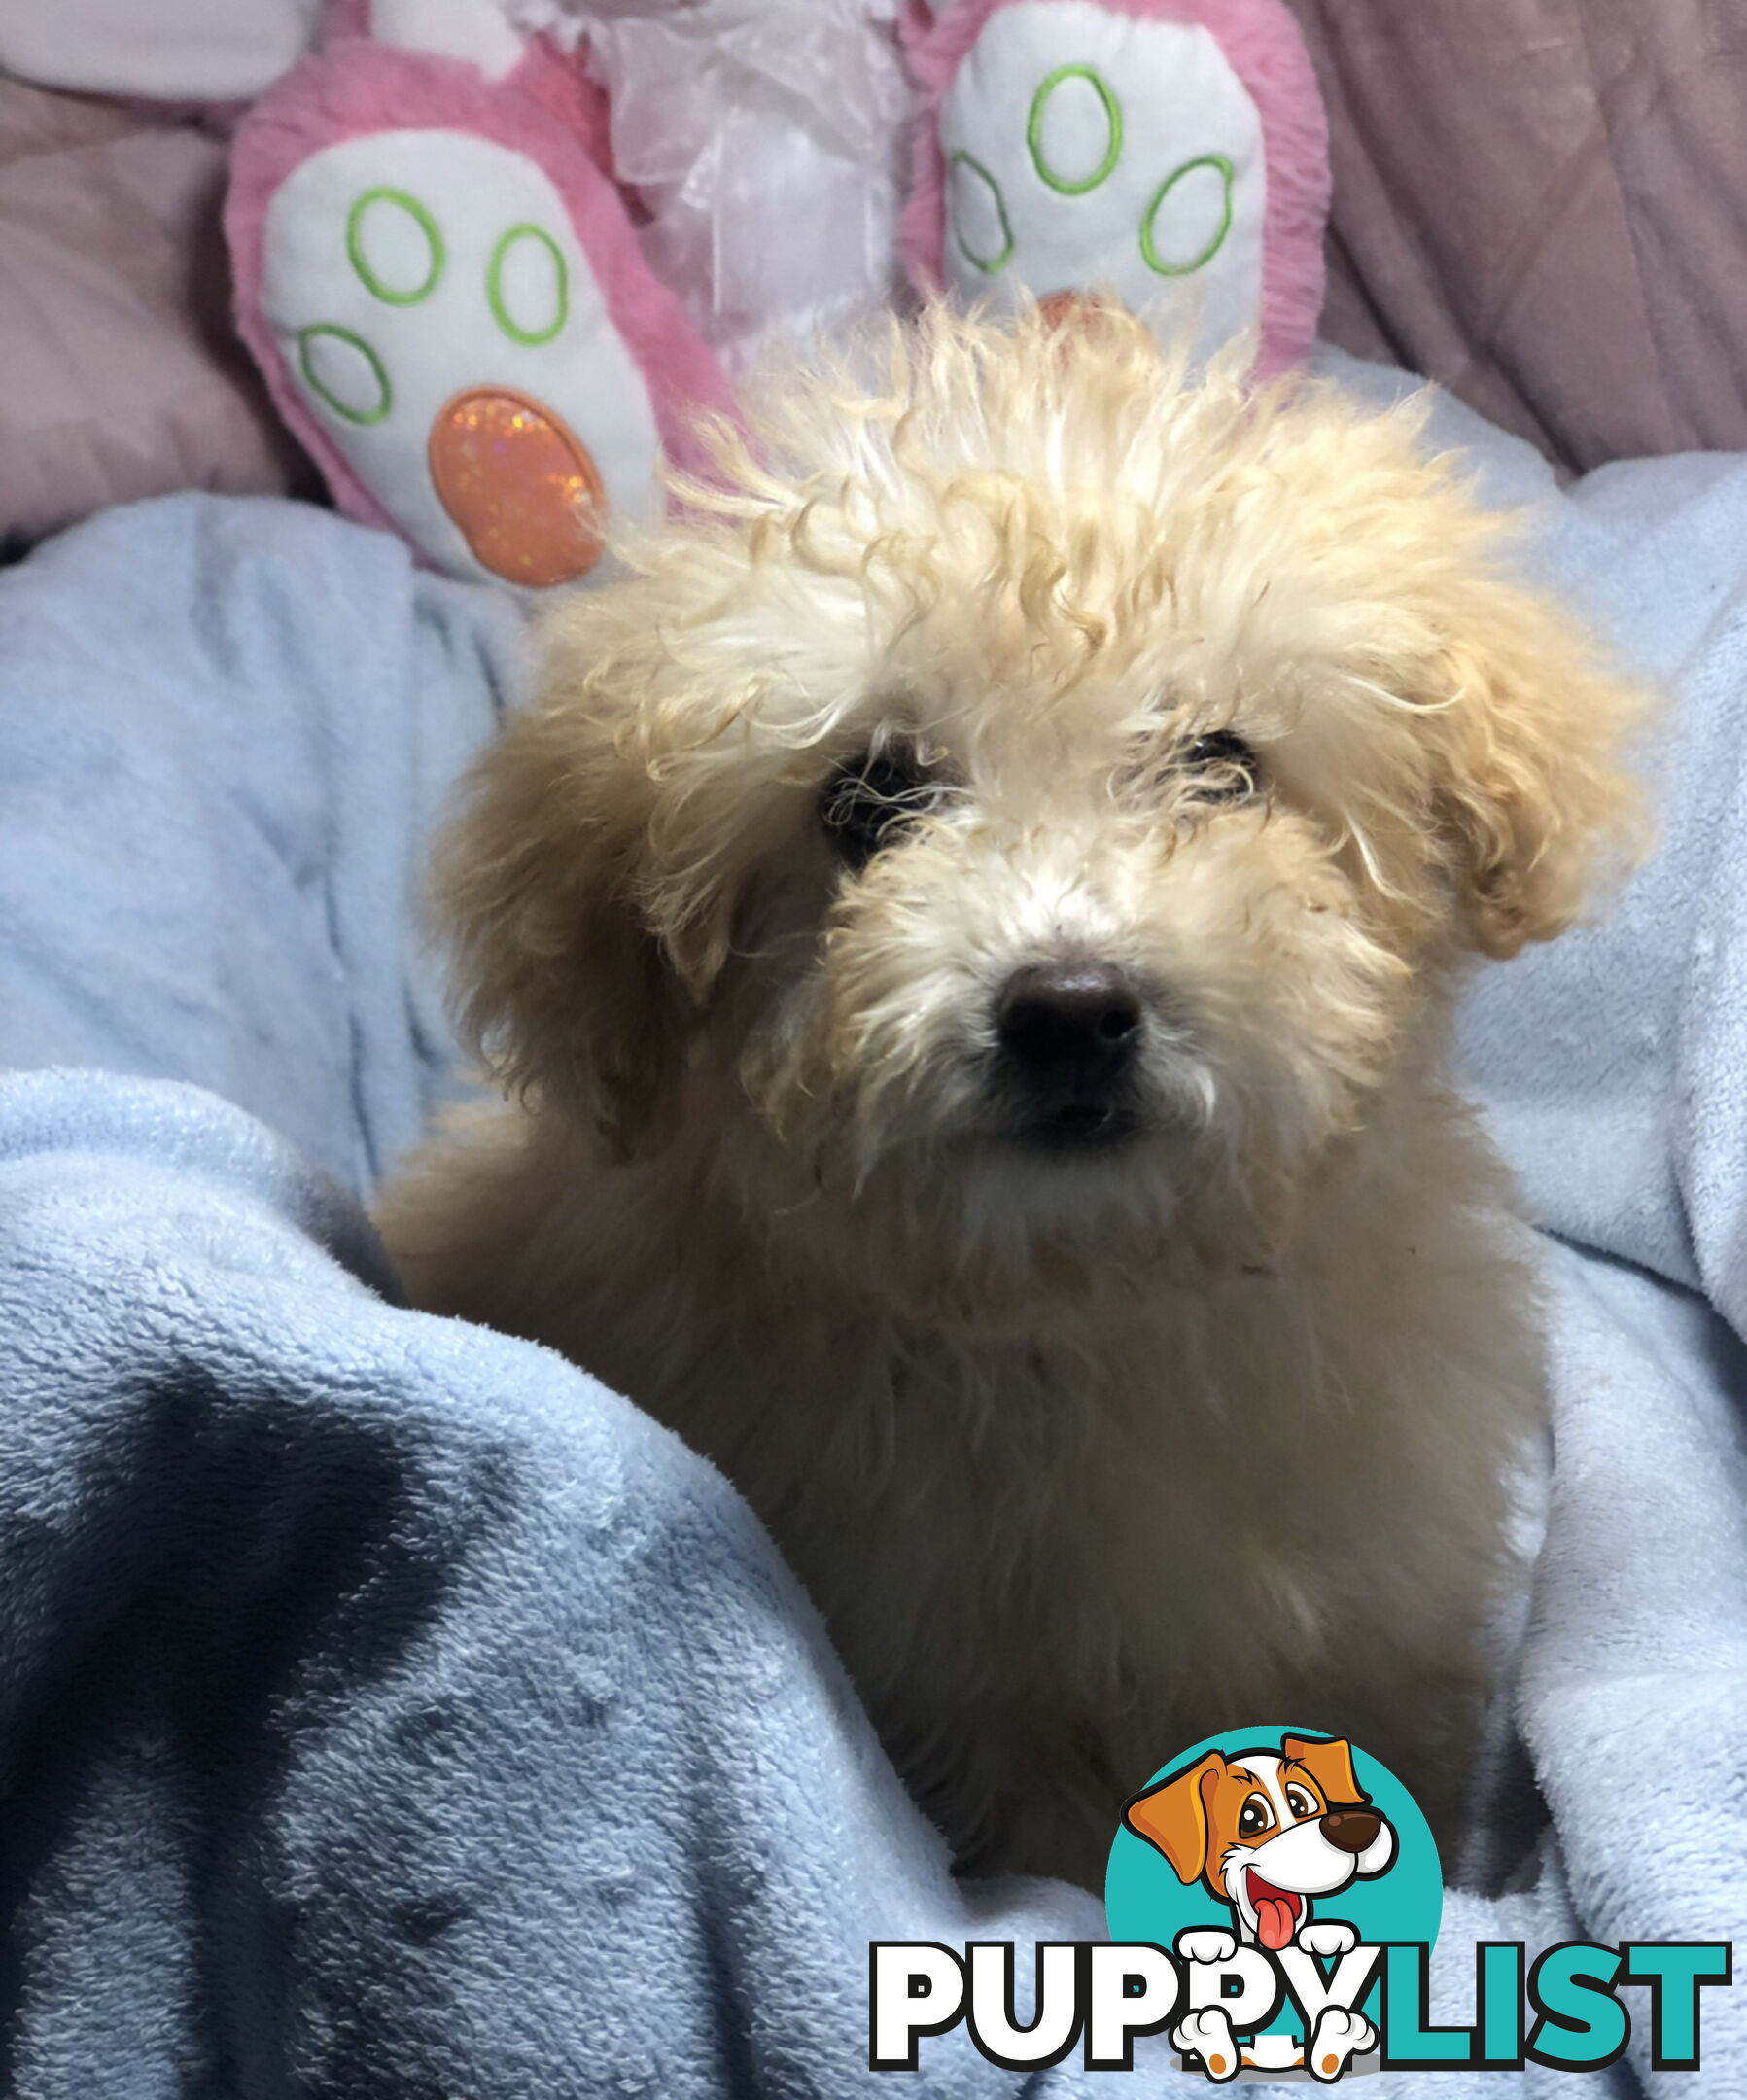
<point>1225,767</point>
<point>864,802</point>
<point>1301,1804</point>
<point>1254,1818</point>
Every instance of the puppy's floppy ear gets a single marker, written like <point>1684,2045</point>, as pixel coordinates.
<point>1330,1765</point>
<point>1173,1818</point>
<point>1532,797</point>
<point>563,985</point>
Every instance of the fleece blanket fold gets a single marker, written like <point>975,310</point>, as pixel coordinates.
<point>225,727</point>
<point>387,1708</point>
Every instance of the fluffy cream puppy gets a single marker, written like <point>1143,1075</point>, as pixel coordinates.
<point>971,924</point>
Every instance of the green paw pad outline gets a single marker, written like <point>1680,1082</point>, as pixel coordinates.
<point>396,252</point>
<point>995,250</point>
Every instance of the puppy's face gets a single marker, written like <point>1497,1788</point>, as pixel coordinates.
<point>1268,1832</point>
<point>1025,810</point>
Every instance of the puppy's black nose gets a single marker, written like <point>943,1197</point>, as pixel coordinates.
<point>1351,1829</point>
<point>1070,1029</point>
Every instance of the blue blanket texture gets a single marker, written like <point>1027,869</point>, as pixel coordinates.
<point>388,1710</point>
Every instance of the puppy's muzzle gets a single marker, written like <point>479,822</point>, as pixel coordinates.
<point>1070,1033</point>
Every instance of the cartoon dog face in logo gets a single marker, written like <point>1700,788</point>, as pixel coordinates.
<point>1265,1831</point>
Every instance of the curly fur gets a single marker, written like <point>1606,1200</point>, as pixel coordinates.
<point>1082,1457</point>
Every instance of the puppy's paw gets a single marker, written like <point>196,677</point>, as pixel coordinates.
<point>1205,1946</point>
<point>1327,1938</point>
<point>1209,2036</point>
<point>1339,2035</point>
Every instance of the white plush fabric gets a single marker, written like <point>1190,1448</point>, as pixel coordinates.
<point>184,50</point>
<point>766,138</point>
<point>427,350</point>
<point>476,30</point>
<point>1089,149</point>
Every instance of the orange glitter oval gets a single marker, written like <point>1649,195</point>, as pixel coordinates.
<point>520,484</point>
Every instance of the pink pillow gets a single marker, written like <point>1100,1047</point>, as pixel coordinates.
<point>122,376</point>
<point>1542,206</point>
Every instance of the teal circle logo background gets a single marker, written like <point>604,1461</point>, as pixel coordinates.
<point>1144,1899</point>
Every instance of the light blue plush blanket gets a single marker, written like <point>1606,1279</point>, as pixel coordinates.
<point>385,1708</point>
<point>224,728</point>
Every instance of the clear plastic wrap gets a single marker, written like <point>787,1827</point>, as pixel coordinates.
<point>764,139</point>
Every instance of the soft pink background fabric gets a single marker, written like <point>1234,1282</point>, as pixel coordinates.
<point>120,373</point>
<point>1543,204</point>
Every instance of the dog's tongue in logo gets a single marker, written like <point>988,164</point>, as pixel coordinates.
<point>1276,1912</point>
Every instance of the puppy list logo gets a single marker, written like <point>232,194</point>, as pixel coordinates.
<point>1279,1875</point>
<point>1272,1899</point>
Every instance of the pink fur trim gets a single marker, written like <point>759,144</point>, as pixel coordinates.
<point>355,88</point>
<point>561,84</point>
<point>1267,52</point>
